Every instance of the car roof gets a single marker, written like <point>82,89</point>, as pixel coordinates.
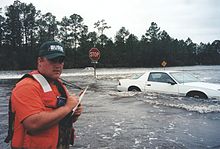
<point>166,71</point>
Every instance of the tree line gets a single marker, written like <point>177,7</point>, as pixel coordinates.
<point>23,29</point>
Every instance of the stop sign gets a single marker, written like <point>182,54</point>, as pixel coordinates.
<point>94,54</point>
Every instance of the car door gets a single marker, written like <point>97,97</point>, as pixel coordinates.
<point>161,82</point>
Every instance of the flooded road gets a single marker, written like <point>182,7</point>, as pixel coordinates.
<point>121,120</point>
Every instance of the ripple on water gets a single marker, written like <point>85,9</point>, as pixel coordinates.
<point>189,104</point>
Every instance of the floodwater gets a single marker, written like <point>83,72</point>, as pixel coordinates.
<point>121,120</point>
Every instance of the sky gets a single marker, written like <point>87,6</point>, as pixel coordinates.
<point>197,19</point>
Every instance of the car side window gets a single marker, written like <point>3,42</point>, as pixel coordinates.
<point>159,77</point>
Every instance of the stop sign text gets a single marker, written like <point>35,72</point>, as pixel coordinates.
<point>94,54</point>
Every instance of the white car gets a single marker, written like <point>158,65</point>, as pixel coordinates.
<point>171,82</point>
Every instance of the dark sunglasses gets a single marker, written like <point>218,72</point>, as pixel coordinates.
<point>57,60</point>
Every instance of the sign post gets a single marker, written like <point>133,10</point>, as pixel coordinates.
<point>94,55</point>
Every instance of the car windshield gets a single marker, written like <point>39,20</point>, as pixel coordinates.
<point>183,77</point>
<point>136,76</point>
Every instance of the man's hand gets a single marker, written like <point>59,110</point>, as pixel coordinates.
<point>77,113</point>
<point>78,110</point>
<point>71,102</point>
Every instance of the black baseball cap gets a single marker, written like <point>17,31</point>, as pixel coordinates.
<point>51,49</point>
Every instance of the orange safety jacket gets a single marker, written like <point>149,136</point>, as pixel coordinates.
<point>20,138</point>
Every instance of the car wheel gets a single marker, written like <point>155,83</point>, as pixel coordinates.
<point>134,89</point>
<point>197,95</point>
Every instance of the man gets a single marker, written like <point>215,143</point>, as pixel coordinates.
<point>42,104</point>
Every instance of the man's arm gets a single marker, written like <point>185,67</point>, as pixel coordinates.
<point>41,121</point>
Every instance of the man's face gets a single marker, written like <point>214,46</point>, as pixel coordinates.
<point>51,68</point>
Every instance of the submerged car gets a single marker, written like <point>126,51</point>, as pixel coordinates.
<point>171,82</point>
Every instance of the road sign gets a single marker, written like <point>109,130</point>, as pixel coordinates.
<point>94,54</point>
<point>164,63</point>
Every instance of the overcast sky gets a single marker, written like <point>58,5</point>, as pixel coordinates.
<point>197,19</point>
